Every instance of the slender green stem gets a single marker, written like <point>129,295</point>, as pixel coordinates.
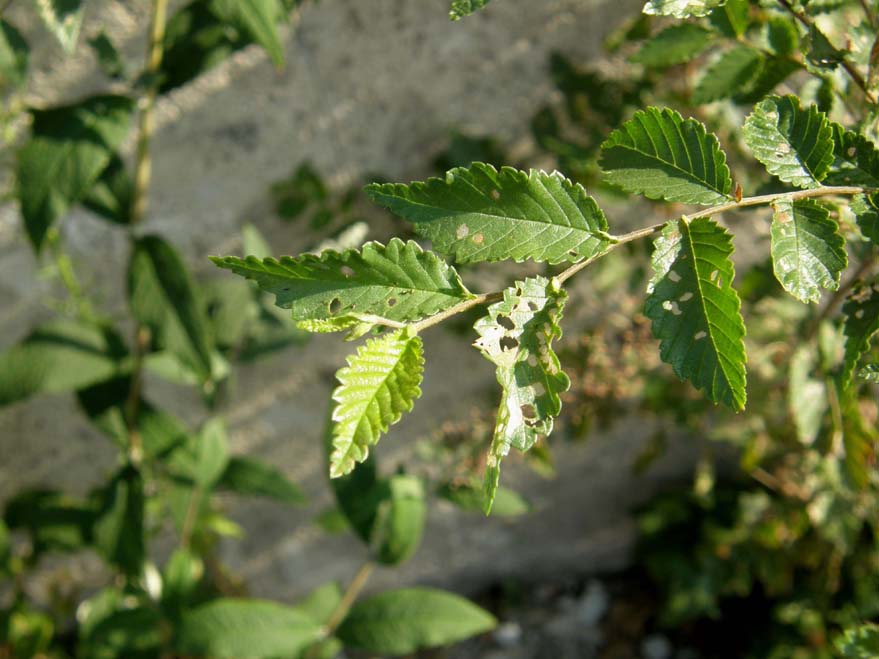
<point>461,307</point>
<point>353,590</point>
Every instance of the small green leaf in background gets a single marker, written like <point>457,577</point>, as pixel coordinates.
<point>808,252</point>
<point>470,497</point>
<point>251,477</point>
<point>680,8</point>
<point>695,309</point>
<point>807,395</point>
<point>204,458</point>
<point>69,148</point>
<point>119,523</point>
<point>661,155</point>
<point>162,296</point>
<point>866,210</point>
<point>253,243</point>
<point>14,55</point>
<point>180,580</point>
<point>108,57</point>
<point>236,628</point>
<point>478,213</point>
<point>114,624</point>
<point>111,194</point>
<point>516,335</point>
<point>400,282</point>
<point>674,45</point>
<point>380,382</point>
<point>731,18</point>
<point>55,522</point>
<point>462,8</point>
<point>795,145</point>
<point>57,357</point>
<point>856,159</point>
<point>403,621</point>
<point>257,18</point>
<point>63,18</point>
<point>861,312</point>
<point>294,195</point>
<point>822,53</point>
<point>399,522</point>
<point>772,72</point>
<point>28,632</point>
<point>321,603</point>
<point>870,373</point>
<point>782,35</point>
<point>728,74</point>
<point>859,643</point>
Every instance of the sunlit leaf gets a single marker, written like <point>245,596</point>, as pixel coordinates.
<point>259,20</point>
<point>680,8</point>
<point>461,8</point>
<point>63,18</point>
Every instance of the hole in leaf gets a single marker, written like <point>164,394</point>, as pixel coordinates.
<point>347,271</point>
<point>508,343</point>
<point>392,301</point>
<point>529,412</point>
<point>335,306</point>
<point>533,305</point>
<point>506,322</point>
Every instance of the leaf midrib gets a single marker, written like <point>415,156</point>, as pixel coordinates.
<point>690,175</point>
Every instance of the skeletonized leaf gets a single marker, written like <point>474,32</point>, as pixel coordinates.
<point>259,19</point>
<point>807,396</point>
<point>380,382</point>
<point>680,8</point>
<point>661,155</point>
<point>808,252</point>
<point>674,45</point>
<point>462,8</point>
<point>695,310</point>
<point>399,282</point>
<point>795,145</point>
<point>856,159</point>
<point>63,18</point>
<point>861,311</point>
<point>728,74</point>
<point>517,336</point>
<point>478,213</point>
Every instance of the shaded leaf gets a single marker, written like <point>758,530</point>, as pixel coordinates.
<point>180,580</point>
<point>403,621</point>
<point>782,35</point>
<point>259,20</point>
<point>516,335</point>
<point>204,458</point>
<point>808,252</point>
<point>659,154</point>
<point>112,193</point>
<point>859,642</point>
<point>482,214</point>
<point>856,159</point>
<point>470,497</point>
<point>63,18</point>
<point>772,72</point>
<point>54,521</point>
<point>321,602</point>
<point>861,312</point>
<point>821,52</point>
<point>807,396</point>
<point>229,628</point>
<point>245,475</point>
<point>695,310</point>
<point>728,74</point>
<point>253,243</point>
<point>380,382</point>
<point>462,8</point>
<point>133,633</point>
<point>119,523</point>
<point>108,57</point>
<point>731,18</point>
<point>14,56</point>
<point>399,520</point>
<point>795,145</point>
<point>674,45</point>
<point>866,210</point>
<point>400,282</point>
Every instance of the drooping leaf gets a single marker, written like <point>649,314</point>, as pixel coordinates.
<point>861,312</point>
<point>14,55</point>
<point>161,296</point>
<point>380,382</point>
<point>866,210</point>
<point>69,148</point>
<point>462,8</point>
<point>399,282</point>
<point>808,252</point>
<point>63,18</point>
<point>247,476</point>
<point>404,621</point>
<point>111,194</point>
<point>674,45</point>
<point>856,159</point>
<point>119,522</point>
<point>795,145</point>
<point>680,8</point>
<point>400,519</point>
<point>659,154</point>
<point>57,357</point>
<point>481,214</point>
<point>234,628</point>
<point>807,396</point>
<point>859,642</point>
<point>727,75</point>
<point>695,310</point>
<point>259,20</point>
<point>516,335</point>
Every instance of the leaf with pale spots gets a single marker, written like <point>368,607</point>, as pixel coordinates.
<point>808,252</point>
<point>382,380</point>
<point>399,282</point>
<point>695,310</point>
<point>795,145</point>
<point>478,213</point>
<point>861,312</point>
<point>517,336</point>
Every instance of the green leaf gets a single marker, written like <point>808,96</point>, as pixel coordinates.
<point>856,159</point>
<point>462,8</point>
<point>870,373</point>
<point>108,57</point>
<point>204,458</point>
<point>321,603</point>
<point>235,628</point>
<point>674,45</point>
<point>63,18</point>
<point>55,522</point>
<point>866,210</point>
<point>859,642</point>
<point>782,35</point>
<point>861,311</point>
<point>119,524</point>
<point>254,243</point>
<point>729,74</point>
<point>795,145</point>
<point>112,193</point>
<point>399,521</point>
<point>28,632</point>
<point>808,252</point>
<point>403,621</point>
<point>680,8</point>
<point>400,282</point>
<point>482,214</point>
<point>731,18</point>
<point>245,475</point>
<point>772,72</point>
<point>659,154</point>
<point>470,497</point>
<point>161,296</point>
<point>516,335</point>
<point>822,53</point>
<point>258,19</point>
<point>58,357</point>
<point>133,633</point>
<point>14,55</point>
<point>807,396</point>
<point>180,580</point>
<point>69,148</point>
<point>695,310</point>
<point>380,382</point>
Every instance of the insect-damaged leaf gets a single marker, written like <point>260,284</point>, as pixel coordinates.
<point>695,310</point>
<point>400,282</point>
<point>808,252</point>
<point>380,382</point>
<point>517,336</point>
<point>478,213</point>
